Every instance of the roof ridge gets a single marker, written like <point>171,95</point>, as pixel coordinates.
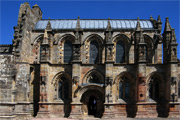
<point>95,19</point>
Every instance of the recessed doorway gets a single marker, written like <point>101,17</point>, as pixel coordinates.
<point>92,106</point>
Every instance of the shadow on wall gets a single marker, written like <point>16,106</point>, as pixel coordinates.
<point>162,109</point>
<point>131,109</point>
<point>36,89</point>
<point>67,109</point>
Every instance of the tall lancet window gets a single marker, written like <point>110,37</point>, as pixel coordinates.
<point>94,52</point>
<point>67,52</point>
<point>63,88</point>
<point>154,88</point>
<point>124,88</point>
<point>120,52</point>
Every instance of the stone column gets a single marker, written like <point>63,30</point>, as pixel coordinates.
<point>43,106</point>
<point>76,106</point>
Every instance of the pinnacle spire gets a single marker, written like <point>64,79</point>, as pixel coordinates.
<point>141,37</point>
<point>109,24</point>
<point>78,26</point>
<point>45,34</point>
<point>173,36</point>
<point>159,19</point>
<point>167,25</point>
<point>48,27</point>
<point>151,18</point>
<point>36,5</point>
<point>138,26</point>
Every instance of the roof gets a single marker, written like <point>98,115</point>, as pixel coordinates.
<point>93,24</point>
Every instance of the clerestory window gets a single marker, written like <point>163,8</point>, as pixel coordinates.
<point>94,52</point>
<point>67,52</point>
<point>120,52</point>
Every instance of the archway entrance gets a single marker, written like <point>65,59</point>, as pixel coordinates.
<point>93,102</point>
<point>92,106</point>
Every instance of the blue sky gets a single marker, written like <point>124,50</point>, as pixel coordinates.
<point>91,9</point>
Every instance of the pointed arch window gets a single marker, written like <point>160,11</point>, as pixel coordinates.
<point>63,88</point>
<point>120,52</point>
<point>94,52</point>
<point>124,88</point>
<point>154,88</point>
<point>67,52</point>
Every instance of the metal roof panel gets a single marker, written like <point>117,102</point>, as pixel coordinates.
<point>93,24</point>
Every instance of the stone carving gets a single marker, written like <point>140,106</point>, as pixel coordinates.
<point>76,52</point>
<point>93,78</point>
<point>109,53</point>
<point>174,80</point>
<point>44,53</point>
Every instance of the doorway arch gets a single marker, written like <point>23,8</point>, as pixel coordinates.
<point>93,101</point>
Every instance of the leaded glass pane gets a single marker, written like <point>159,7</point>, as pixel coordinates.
<point>94,52</point>
<point>67,52</point>
<point>120,52</point>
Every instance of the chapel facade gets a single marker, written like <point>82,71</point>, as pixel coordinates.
<point>103,68</point>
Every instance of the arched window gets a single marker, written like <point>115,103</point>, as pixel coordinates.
<point>94,52</point>
<point>67,51</point>
<point>120,52</point>
<point>124,88</point>
<point>154,88</point>
<point>149,49</point>
<point>63,88</point>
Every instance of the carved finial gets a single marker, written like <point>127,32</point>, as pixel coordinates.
<point>138,26</point>
<point>151,18</point>
<point>173,36</point>
<point>36,5</point>
<point>109,24</point>
<point>167,25</point>
<point>141,37</point>
<point>45,34</point>
<point>78,26</point>
<point>159,19</point>
<point>48,27</point>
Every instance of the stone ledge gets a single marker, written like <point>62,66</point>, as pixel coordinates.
<point>8,103</point>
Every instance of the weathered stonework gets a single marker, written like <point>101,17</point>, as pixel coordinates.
<point>37,80</point>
